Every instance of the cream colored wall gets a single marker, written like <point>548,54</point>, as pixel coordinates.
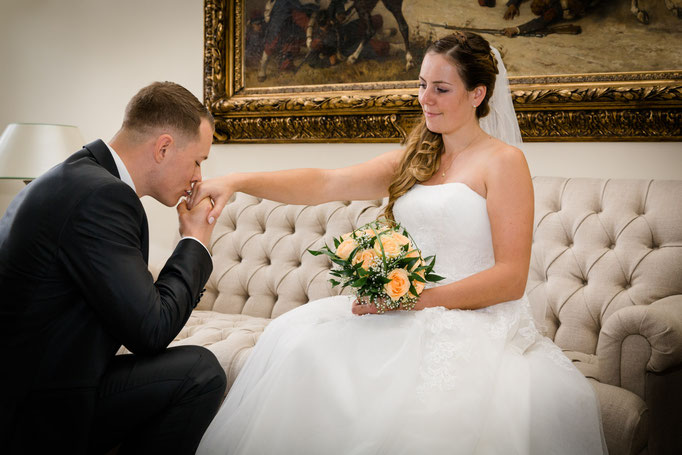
<point>79,62</point>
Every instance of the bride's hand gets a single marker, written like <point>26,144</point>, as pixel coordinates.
<point>362,306</point>
<point>218,189</point>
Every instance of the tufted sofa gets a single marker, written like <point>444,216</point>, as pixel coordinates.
<point>605,284</point>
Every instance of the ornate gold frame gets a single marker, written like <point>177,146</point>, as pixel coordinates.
<point>637,106</point>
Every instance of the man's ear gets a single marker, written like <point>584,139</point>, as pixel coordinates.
<point>161,146</point>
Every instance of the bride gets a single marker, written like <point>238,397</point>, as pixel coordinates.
<point>466,371</point>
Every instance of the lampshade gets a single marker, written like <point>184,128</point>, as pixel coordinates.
<point>29,149</point>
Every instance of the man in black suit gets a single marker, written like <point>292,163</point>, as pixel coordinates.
<point>74,287</point>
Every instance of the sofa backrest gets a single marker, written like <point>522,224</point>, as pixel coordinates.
<point>598,245</point>
<point>260,253</point>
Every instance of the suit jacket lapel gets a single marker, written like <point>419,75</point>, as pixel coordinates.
<point>102,155</point>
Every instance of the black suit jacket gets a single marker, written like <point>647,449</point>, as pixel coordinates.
<point>75,287</point>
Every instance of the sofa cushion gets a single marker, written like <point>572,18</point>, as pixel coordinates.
<point>231,337</point>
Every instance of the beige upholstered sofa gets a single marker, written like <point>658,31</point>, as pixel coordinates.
<point>605,284</point>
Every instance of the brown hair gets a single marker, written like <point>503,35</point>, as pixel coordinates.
<point>476,65</point>
<point>165,105</point>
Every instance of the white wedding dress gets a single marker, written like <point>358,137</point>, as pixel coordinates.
<point>324,381</point>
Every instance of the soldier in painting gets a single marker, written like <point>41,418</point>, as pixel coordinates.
<point>286,22</point>
<point>255,36</point>
<point>339,32</point>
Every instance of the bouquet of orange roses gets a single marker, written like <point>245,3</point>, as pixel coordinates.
<point>382,263</point>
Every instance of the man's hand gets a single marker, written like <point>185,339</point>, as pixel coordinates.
<point>194,222</point>
<point>219,190</point>
<point>512,12</point>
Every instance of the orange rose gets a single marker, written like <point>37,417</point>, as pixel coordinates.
<point>399,284</point>
<point>412,252</point>
<point>367,257</point>
<point>400,238</point>
<point>345,248</point>
<point>392,244</point>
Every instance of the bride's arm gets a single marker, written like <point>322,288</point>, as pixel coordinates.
<point>510,209</point>
<point>368,180</point>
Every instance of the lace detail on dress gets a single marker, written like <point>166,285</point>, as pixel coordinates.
<point>447,348</point>
<point>454,339</point>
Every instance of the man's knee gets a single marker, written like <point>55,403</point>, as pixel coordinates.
<point>206,373</point>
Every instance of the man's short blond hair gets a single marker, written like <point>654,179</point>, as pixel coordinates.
<point>165,106</point>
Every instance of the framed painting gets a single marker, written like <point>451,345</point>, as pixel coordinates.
<point>346,71</point>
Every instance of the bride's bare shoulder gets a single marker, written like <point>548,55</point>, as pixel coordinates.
<point>502,154</point>
<point>506,165</point>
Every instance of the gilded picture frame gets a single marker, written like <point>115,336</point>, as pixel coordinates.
<point>622,106</point>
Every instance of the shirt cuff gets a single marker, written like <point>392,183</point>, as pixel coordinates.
<point>197,240</point>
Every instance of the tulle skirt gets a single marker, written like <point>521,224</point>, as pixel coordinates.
<point>324,381</point>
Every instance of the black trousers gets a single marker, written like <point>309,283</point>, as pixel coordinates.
<point>159,404</point>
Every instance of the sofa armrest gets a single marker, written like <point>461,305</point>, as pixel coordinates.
<point>640,339</point>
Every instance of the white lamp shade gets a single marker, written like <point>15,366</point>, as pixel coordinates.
<point>29,149</point>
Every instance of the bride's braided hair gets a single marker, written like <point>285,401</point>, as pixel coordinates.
<point>476,66</point>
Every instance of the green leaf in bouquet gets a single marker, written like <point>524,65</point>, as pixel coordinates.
<point>383,255</point>
<point>315,252</point>
<point>353,253</point>
<point>334,283</point>
<point>347,271</point>
<point>360,282</point>
<point>417,277</point>
<point>430,263</point>
<point>413,290</point>
<point>411,262</point>
<point>361,271</point>
<point>423,270</point>
<point>337,261</point>
<point>325,250</point>
<point>434,277</point>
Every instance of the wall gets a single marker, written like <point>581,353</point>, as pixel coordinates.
<point>79,62</point>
